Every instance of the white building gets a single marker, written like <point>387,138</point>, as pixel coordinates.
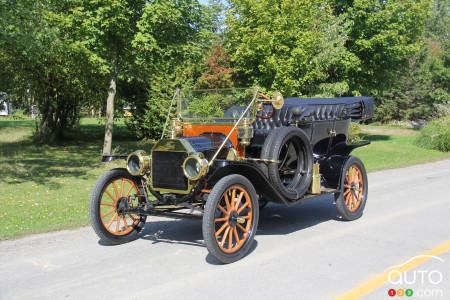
<point>5,108</point>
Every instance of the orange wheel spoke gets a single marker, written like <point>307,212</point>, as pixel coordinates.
<point>233,198</point>
<point>118,223</point>
<point>230,239</point>
<point>125,222</point>
<point>242,207</point>
<point>121,187</point>
<point>220,219</point>
<point>129,190</point>
<point>110,196</point>
<point>224,238</point>
<point>221,229</point>
<point>346,191</point>
<point>227,202</point>
<point>115,189</point>
<point>242,228</point>
<point>134,219</point>
<point>348,198</point>
<point>238,202</point>
<point>109,212</point>
<point>112,220</point>
<point>107,204</point>
<point>236,236</point>
<point>247,217</point>
<point>222,209</point>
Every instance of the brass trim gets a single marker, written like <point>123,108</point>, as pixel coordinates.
<point>198,156</point>
<point>315,185</point>
<point>145,162</point>
<point>232,155</point>
<point>172,145</point>
<point>263,160</point>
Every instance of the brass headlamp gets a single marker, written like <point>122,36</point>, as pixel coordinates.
<point>195,166</point>
<point>138,163</point>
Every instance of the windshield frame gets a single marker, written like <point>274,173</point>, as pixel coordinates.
<point>251,111</point>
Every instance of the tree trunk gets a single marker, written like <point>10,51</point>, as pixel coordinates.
<point>110,115</point>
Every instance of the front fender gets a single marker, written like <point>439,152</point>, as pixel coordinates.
<point>261,183</point>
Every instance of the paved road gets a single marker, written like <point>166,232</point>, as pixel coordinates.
<point>302,252</point>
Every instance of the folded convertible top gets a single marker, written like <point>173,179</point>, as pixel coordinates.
<point>304,109</point>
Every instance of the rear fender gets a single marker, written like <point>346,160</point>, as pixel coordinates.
<point>331,170</point>
<point>343,149</point>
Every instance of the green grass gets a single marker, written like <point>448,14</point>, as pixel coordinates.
<point>47,187</point>
<point>394,151</point>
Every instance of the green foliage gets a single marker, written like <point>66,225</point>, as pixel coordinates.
<point>296,47</point>
<point>301,48</point>
<point>207,106</point>
<point>436,135</point>
<point>354,134</point>
<point>417,94</point>
<point>217,72</point>
<point>170,46</point>
<point>383,35</point>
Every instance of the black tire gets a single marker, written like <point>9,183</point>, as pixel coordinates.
<point>352,198</point>
<point>100,200</point>
<point>279,146</point>
<point>219,221</point>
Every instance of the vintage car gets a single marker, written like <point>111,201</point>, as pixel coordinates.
<point>228,154</point>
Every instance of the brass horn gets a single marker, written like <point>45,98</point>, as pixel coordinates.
<point>277,100</point>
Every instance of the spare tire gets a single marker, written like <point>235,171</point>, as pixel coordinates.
<point>292,174</point>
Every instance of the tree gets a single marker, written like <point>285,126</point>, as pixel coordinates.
<point>109,27</point>
<point>217,72</point>
<point>39,56</point>
<point>426,84</point>
<point>383,35</point>
<point>293,46</point>
<point>170,45</point>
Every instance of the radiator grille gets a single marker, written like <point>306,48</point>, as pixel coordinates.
<point>167,172</point>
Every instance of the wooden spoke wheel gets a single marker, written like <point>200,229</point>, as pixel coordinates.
<point>230,218</point>
<point>113,195</point>
<point>353,188</point>
<point>352,197</point>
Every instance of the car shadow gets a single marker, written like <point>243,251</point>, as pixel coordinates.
<point>277,219</point>
<point>274,219</point>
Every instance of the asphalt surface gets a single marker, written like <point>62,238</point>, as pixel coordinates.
<point>301,252</point>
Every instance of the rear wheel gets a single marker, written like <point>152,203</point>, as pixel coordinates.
<point>351,199</point>
<point>230,218</point>
<point>114,193</point>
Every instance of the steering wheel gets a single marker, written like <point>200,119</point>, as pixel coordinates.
<point>262,112</point>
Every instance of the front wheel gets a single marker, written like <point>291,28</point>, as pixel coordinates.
<point>230,218</point>
<point>352,198</point>
<point>113,194</point>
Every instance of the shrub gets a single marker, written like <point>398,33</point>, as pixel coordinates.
<point>354,134</point>
<point>436,135</point>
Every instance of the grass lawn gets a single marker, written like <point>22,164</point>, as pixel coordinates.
<point>44,188</point>
<point>394,151</point>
